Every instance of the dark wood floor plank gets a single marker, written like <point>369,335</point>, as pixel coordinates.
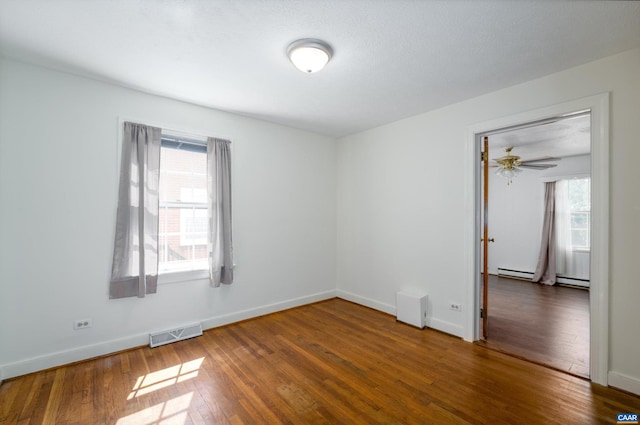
<point>327,363</point>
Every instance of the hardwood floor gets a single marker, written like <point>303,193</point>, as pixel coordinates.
<point>545,324</point>
<point>332,362</point>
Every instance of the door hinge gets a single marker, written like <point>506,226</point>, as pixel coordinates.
<point>481,313</point>
<point>484,156</point>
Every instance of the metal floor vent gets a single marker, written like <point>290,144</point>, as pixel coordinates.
<point>167,337</point>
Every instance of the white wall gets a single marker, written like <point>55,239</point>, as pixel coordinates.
<point>400,218</point>
<point>516,215</point>
<point>58,192</point>
<point>401,200</point>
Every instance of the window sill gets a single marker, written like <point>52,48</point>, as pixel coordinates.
<point>182,276</point>
<point>587,250</point>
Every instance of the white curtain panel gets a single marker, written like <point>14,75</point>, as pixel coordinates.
<point>135,254</point>
<point>220,243</point>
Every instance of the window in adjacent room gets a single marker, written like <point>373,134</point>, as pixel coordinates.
<point>183,214</point>
<point>579,192</point>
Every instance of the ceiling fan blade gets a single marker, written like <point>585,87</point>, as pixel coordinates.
<point>538,166</point>
<point>541,159</point>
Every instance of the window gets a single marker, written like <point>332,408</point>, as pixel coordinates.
<point>183,215</point>
<point>163,233</point>
<point>193,221</point>
<point>579,192</point>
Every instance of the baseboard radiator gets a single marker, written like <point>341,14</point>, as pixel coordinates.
<point>514,274</point>
<point>411,308</point>
<point>519,274</point>
<point>173,335</point>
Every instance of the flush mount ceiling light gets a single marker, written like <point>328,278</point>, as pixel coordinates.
<point>309,55</point>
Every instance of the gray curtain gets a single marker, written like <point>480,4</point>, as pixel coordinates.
<point>546,268</point>
<point>135,253</point>
<point>220,243</point>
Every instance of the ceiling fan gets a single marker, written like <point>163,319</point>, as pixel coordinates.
<point>511,165</point>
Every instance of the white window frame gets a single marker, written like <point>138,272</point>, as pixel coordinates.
<point>186,209</point>
<point>580,248</point>
<point>200,269</point>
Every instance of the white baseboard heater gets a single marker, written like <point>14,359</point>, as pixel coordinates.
<point>411,308</point>
<point>173,335</point>
<point>515,274</point>
<point>519,274</point>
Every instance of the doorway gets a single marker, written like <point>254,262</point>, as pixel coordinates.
<point>538,307</point>
<point>598,106</point>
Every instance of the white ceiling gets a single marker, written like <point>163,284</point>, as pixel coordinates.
<point>563,138</point>
<point>392,59</point>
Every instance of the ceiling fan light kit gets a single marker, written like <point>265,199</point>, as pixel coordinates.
<point>511,165</point>
<point>508,173</point>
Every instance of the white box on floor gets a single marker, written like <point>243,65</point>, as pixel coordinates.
<point>411,308</point>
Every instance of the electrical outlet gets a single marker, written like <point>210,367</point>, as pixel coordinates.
<point>455,307</point>
<point>82,324</point>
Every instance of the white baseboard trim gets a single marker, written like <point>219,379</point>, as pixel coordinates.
<point>60,358</point>
<point>433,323</point>
<point>446,327</point>
<point>624,382</point>
<point>367,302</point>
<point>251,313</point>
<point>72,355</point>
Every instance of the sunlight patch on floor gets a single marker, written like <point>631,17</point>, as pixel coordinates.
<point>164,378</point>
<point>170,412</point>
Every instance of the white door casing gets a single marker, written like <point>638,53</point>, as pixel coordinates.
<point>598,105</point>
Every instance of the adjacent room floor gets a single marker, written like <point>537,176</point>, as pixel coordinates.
<point>544,324</point>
